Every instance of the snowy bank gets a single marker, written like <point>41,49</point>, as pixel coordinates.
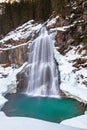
<point>80,122</point>
<point>8,81</point>
<point>21,123</point>
<point>15,123</point>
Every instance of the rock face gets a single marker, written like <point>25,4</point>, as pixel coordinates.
<point>14,46</point>
<point>17,55</point>
<point>76,27</point>
<point>75,36</point>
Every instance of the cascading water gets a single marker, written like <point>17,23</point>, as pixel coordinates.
<point>43,73</point>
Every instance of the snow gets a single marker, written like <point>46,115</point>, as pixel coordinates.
<point>22,32</point>
<point>2,101</point>
<point>13,47</point>
<point>74,54</point>
<point>8,81</point>
<point>71,82</point>
<point>63,28</point>
<point>52,21</point>
<point>58,29</point>
<point>21,123</point>
<point>79,122</point>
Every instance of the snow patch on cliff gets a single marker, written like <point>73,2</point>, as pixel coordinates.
<point>71,81</point>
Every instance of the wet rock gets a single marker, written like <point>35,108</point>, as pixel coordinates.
<point>59,39</point>
<point>22,80</point>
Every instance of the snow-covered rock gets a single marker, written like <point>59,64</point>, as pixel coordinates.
<point>71,82</point>
<point>8,84</point>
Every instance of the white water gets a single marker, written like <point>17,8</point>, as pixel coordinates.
<point>43,73</point>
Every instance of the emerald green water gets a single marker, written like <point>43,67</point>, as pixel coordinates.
<point>44,108</point>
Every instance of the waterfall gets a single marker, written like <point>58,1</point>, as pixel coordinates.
<point>42,69</point>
